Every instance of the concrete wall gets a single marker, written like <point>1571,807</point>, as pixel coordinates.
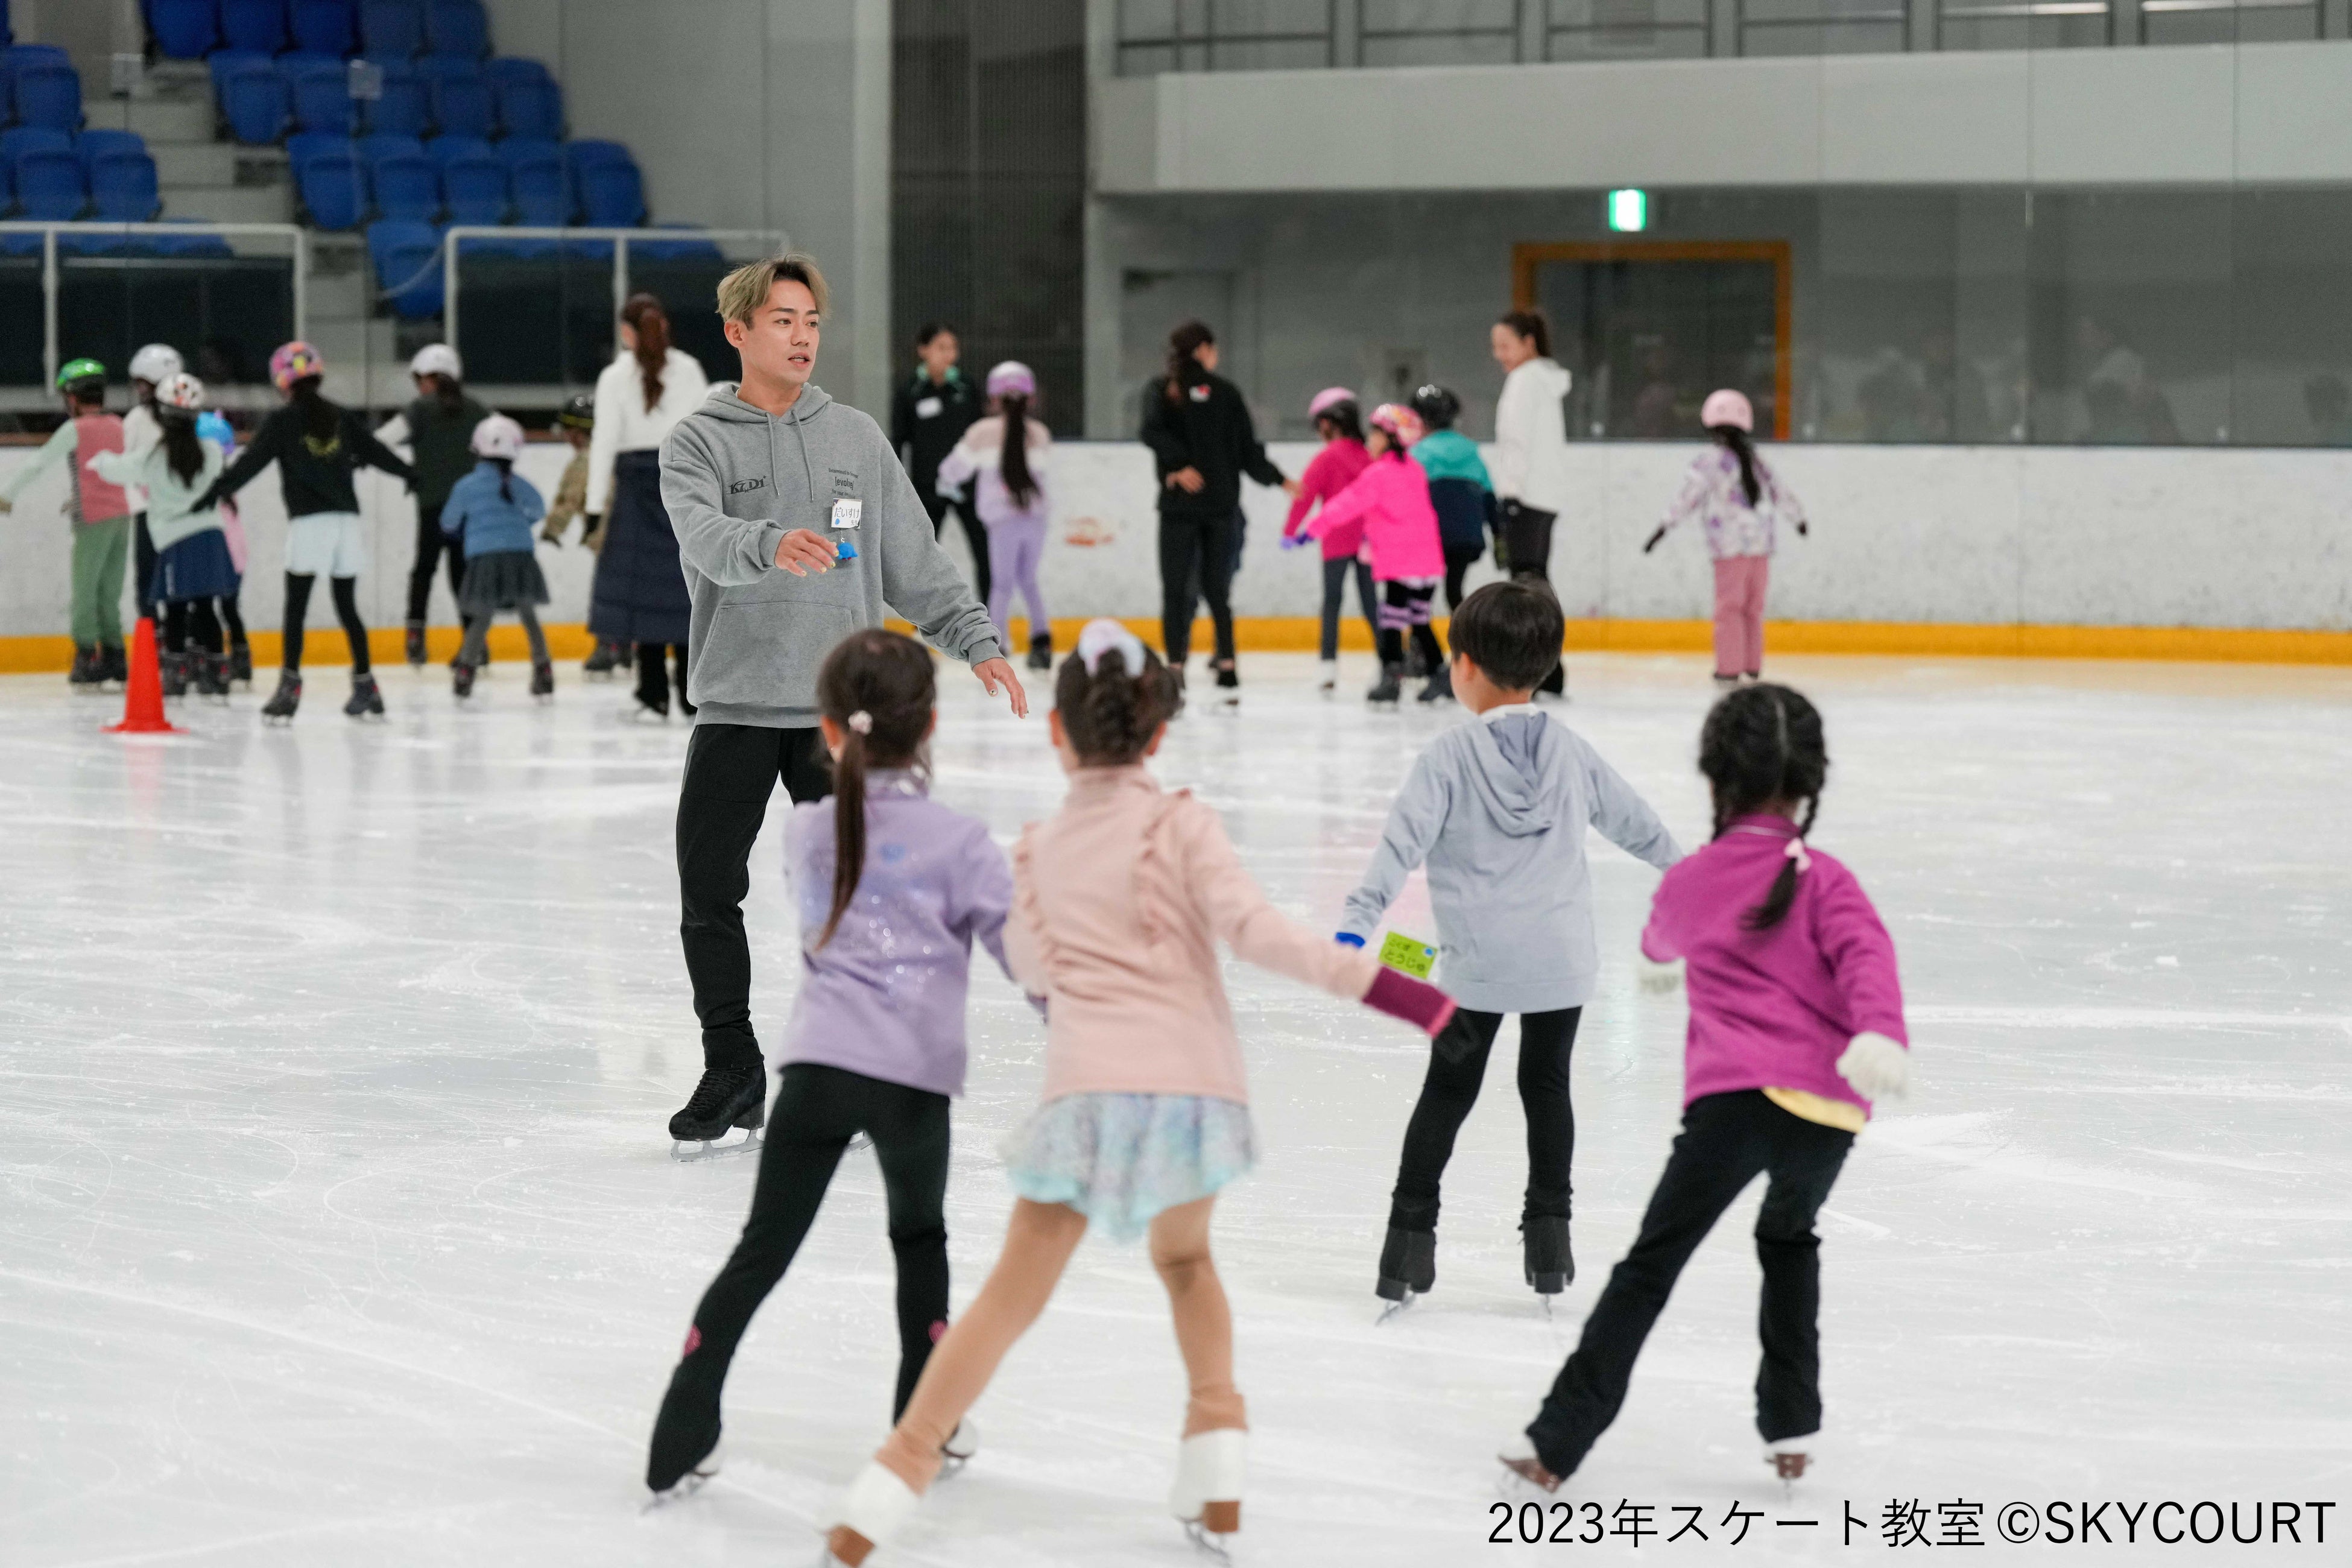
<point>747,114</point>
<point>2255,112</point>
<point>1966,535</point>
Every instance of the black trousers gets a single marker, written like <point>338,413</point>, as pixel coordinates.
<point>816,1111</point>
<point>653,675</point>
<point>142,566</point>
<point>1459,559</point>
<point>233,619</point>
<point>1457,1065</point>
<point>975,533</point>
<point>347,610</point>
<point>1727,1141</point>
<point>1336,573</point>
<point>1197,556</point>
<point>183,617</point>
<point>730,771</point>
<point>1526,545</point>
<point>431,544</point>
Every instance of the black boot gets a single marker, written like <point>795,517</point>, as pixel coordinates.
<point>416,644</point>
<point>1390,687</point>
<point>461,681</point>
<point>726,1097</point>
<point>114,664</point>
<point>543,681</point>
<point>1408,1264</point>
<point>601,661</point>
<point>366,701</point>
<point>685,1432</point>
<point>1441,686</point>
<point>240,665</point>
<point>1041,651</point>
<point>1229,682</point>
<point>173,668</point>
<point>209,671</point>
<point>1551,1266</point>
<point>279,709</point>
<point>88,669</point>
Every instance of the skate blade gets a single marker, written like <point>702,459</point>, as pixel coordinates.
<point>1209,1544</point>
<point>690,1152</point>
<point>693,1482</point>
<point>859,1142</point>
<point>1395,1310</point>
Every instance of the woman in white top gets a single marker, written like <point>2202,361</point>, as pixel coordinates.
<point>1005,456</point>
<point>1530,466</point>
<point>640,592</point>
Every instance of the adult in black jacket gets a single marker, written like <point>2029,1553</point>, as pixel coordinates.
<point>438,427</point>
<point>1203,441</point>
<point>929,416</point>
<point>316,446</point>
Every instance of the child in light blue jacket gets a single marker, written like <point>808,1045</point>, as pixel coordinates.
<point>490,513</point>
<point>1498,809</point>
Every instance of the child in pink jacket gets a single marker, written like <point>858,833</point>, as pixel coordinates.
<point>1120,901</point>
<point>1795,1026</point>
<point>1390,500</point>
<point>1328,472</point>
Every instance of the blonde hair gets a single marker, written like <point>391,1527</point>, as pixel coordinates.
<point>746,288</point>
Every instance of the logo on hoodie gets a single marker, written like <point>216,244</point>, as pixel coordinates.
<point>745,487</point>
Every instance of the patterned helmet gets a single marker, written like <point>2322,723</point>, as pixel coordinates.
<point>183,392</point>
<point>295,361</point>
<point>1399,421</point>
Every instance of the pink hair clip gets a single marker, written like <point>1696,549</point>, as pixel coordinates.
<point>1797,853</point>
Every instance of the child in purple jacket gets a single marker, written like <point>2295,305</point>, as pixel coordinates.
<point>1795,1026</point>
<point>893,891</point>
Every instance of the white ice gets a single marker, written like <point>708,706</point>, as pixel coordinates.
<point>338,1223</point>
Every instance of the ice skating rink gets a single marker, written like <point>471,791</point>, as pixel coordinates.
<point>339,1226</point>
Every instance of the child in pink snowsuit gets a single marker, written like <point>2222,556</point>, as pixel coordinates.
<point>1736,498</point>
<point>1390,500</point>
<point>1328,472</point>
<point>1795,1026</point>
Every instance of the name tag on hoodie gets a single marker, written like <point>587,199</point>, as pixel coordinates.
<point>846,514</point>
<point>928,407</point>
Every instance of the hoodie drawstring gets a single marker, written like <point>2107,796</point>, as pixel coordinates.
<point>807,472</point>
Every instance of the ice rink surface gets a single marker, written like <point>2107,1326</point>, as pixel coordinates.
<point>338,1223</point>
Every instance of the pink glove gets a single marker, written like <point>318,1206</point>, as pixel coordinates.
<point>1417,1002</point>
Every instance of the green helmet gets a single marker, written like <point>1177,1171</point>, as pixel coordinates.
<point>76,370</point>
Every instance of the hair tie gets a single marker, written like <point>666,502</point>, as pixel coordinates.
<point>1796,852</point>
<point>862,721</point>
<point>1101,637</point>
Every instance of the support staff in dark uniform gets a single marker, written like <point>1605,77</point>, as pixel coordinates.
<point>928,416</point>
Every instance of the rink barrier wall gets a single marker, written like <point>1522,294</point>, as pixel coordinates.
<point>2171,554</point>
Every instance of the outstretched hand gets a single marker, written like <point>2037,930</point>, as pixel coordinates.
<point>994,672</point>
<point>804,551</point>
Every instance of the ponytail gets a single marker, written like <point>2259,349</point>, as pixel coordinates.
<point>651,323</point>
<point>1743,447</point>
<point>849,819</point>
<point>506,477</point>
<point>880,688</point>
<point>1019,482</point>
<point>182,451</point>
<point>1182,367</point>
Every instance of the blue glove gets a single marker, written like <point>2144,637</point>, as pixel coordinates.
<point>1293,541</point>
<point>1348,939</point>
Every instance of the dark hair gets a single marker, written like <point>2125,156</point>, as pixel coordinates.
<point>1014,464</point>
<point>1764,744</point>
<point>1345,419</point>
<point>448,392</point>
<point>182,450</point>
<point>888,680</point>
<point>1437,406</point>
<point>1743,447</point>
<point>1512,631</point>
<point>928,330</point>
<point>1111,715</point>
<point>1181,343</point>
<point>321,420</point>
<point>651,323</point>
<point>89,389</point>
<point>505,467</point>
<point>1533,324</point>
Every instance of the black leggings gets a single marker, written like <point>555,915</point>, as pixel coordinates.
<point>233,619</point>
<point>1403,605</point>
<point>1336,573</point>
<point>1197,557</point>
<point>1459,559</point>
<point>347,610</point>
<point>1458,1064</point>
<point>815,1112</point>
<point>183,616</point>
<point>431,543</point>
<point>975,534</point>
<point>1727,1141</point>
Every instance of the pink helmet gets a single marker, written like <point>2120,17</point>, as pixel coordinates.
<point>1012,379</point>
<point>1399,421</point>
<point>1330,397</point>
<point>1728,407</point>
<point>292,363</point>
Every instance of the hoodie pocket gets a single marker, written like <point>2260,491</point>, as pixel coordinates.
<point>764,653</point>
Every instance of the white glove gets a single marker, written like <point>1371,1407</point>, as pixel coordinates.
<point>1660,978</point>
<point>1878,1068</point>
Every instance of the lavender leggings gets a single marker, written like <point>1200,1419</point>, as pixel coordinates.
<point>1015,546</point>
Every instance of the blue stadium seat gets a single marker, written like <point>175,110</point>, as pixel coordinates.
<point>518,149</point>
<point>49,186</point>
<point>697,247</point>
<point>325,27</point>
<point>457,27</point>
<point>322,99</point>
<point>207,245</point>
<point>122,187</point>
<point>515,67</point>
<point>222,61</point>
<point>19,140</point>
<point>306,144</point>
<point>90,145</point>
<point>407,187</point>
<point>185,30</point>
<point>7,196</point>
<point>462,106</point>
<point>578,155</point>
<point>253,101</point>
<point>405,254</point>
<point>374,148</point>
<point>48,93</point>
<point>443,149</point>
<point>542,199</point>
<point>475,189</point>
<point>330,180</point>
<point>612,194</point>
<point>392,29</point>
<point>530,107</point>
<point>256,25</point>
<point>403,109</point>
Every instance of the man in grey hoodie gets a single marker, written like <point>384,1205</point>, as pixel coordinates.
<point>1498,809</point>
<point>795,527</point>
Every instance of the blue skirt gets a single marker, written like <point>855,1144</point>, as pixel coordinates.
<point>1121,1158</point>
<point>198,567</point>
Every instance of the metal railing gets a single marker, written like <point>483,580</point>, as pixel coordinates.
<point>620,239</point>
<point>299,250</point>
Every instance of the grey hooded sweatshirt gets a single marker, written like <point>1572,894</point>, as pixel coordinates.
<point>736,480</point>
<point>1497,807</point>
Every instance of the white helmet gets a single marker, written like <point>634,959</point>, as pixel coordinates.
<point>182,391</point>
<point>156,363</point>
<point>437,359</point>
<point>498,436</point>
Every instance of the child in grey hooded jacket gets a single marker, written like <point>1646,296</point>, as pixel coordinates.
<point>1496,809</point>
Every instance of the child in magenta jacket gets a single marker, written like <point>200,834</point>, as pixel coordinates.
<point>1390,500</point>
<point>1328,472</point>
<point>1796,1026</point>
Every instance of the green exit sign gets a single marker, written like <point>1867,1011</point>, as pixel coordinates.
<point>1629,211</point>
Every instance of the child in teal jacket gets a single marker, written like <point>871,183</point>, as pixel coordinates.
<point>1459,485</point>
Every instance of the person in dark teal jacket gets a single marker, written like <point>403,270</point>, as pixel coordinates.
<point>1459,485</point>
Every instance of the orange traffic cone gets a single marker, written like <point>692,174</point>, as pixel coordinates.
<point>143,698</point>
